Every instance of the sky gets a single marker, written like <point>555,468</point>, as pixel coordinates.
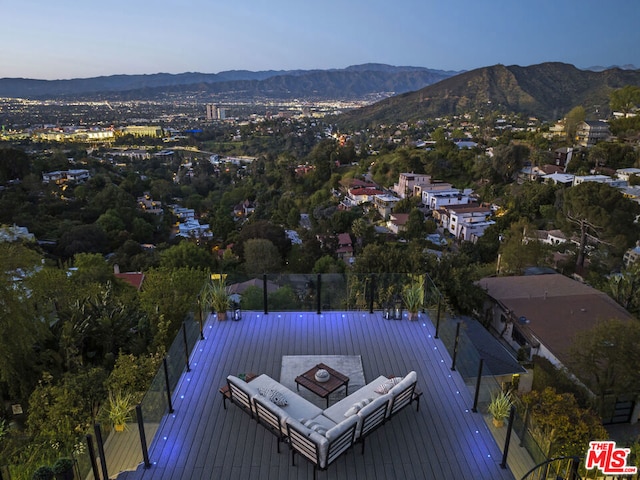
<point>62,39</point>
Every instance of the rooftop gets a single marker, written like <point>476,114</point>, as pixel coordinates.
<point>444,439</point>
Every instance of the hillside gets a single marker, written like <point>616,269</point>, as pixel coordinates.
<point>355,82</point>
<point>547,90</point>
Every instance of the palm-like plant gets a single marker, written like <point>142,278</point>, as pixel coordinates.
<point>413,295</point>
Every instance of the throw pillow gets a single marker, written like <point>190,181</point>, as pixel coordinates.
<point>357,407</point>
<point>387,385</point>
<point>313,425</point>
<point>274,395</point>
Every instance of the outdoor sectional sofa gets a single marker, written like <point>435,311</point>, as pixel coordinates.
<point>321,436</point>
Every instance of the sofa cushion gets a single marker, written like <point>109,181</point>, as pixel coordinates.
<point>336,411</point>
<point>411,377</point>
<point>356,407</point>
<point>274,395</point>
<point>297,407</point>
<point>387,385</point>
<point>314,425</point>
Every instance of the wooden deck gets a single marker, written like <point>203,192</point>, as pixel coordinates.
<point>201,440</point>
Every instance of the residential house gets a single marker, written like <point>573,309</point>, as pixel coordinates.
<point>465,222</point>
<point>345,248</point>
<point>616,183</point>
<point>626,173</point>
<point>632,255</point>
<point>436,198</point>
<point>194,229</point>
<point>563,156</point>
<point>541,314</point>
<point>564,179</point>
<point>590,132</point>
<point>632,193</point>
<point>359,195</point>
<point>397,222</point>
<point>14,233</point>
<point>148,205</point>
<point>384,204</point>
<point>408,181</point>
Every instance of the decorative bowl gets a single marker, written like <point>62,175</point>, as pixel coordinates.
<point>322,375</point>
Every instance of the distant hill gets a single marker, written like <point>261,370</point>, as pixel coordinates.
<point>547,91</point>
<point>354,82</point>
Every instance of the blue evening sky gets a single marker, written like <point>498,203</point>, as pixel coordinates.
<point>62,39</point>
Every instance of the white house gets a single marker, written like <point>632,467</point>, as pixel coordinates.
<point>626,173</point>
<point>578,179</point>
<point>407,182</point>
<point>434,199</point>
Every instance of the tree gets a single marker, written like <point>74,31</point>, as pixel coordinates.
<point>186,254</point>
<point>261,256</point>
<point>625,99</point>
<point>415,229</point>
<point>573,118</point>
<point>518,250</point>
<point>559,425</point>
<point>606,357</point>
<point>508,160</point>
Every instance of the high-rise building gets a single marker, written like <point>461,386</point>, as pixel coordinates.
<point>215,113</point>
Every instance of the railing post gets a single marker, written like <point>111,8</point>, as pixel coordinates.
<point>455,346</point>
<point>319,293</point>
<point>91,449</point>
<point>573,472</point>
<point>438,317</point>
<point>512,414</point>
<point>474,409</point>
<point>186,345</point>
<point>166,380</point>
<point>103,460</point>
<point>372,289</point>
<point>143,437</point>
<point>524,425</point>
<point>201,324</point>
<point>264,293</point>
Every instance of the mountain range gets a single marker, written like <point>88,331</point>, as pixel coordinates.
<point>547,90</point>
<point>351,83</point>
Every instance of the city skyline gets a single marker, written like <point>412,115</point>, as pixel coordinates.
<point>63,40</point>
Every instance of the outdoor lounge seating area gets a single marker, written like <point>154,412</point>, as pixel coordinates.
<point>321,436</point>
<point>201,440</point>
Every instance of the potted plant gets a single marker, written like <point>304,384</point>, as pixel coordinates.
<point>500,407</point>
<point>119,410</point>
<point>63,468</point>
<point>413,296</point>
<point>216,295</point>
<point>44,472</point>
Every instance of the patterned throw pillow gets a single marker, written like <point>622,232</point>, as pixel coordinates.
<point>274,395</point>
<point>313,425</point>
<point>357,407</point>
<point>388,385</point>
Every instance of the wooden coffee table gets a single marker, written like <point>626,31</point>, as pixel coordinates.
<point>323,389</point>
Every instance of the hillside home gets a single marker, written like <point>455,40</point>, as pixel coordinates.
<point>465,222</point>
<point>632,255</point>
<point>541,314</point>
<point>590,132</point>
<point>193,229</point>
<point>359,195</point>
<point>385,204</point>
<point>578,179</point>
<point>632,193</point>
<point>436,198</point>
<point>564,179</point>
<point>408,181</point>
<point>397,222</point>
<point>345,248</point>
<point>13,233</point>
<point>626,173</point>
<point>563,156</point>
<point>149,205</point>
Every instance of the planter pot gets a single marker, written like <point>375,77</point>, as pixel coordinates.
<point>119,427</point>
<point>66,475</point>
<point>222,316</point>
<point>498,422</point>
<point>413,315</point>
